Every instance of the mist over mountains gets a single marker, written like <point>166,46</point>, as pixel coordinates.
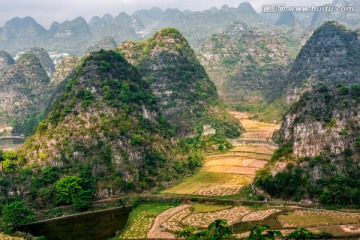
<point>76,36</point>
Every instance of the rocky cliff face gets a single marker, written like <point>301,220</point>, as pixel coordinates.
<point>324,120</point>
<point>187,97</point>
<point>24,89</point>
<point>107,119</point>
<point>5,61</point>
<point>63,69</point>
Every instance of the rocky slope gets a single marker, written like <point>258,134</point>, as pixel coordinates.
<point>187,97</point>
<point>5,61</point>
<point>64,68</point>
<point>107,43</point>
<point>248,66</point>
<point>330,55</point>
<point>107,121</point>
<point>320,135</point>
<point>24,90</point>
<point>44,59</point>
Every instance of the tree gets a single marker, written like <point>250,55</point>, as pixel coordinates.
<point>263,232</point>
<point>15,215</point>
<point>216,230</point>
<point>70,191</point>
<point>67,189</point>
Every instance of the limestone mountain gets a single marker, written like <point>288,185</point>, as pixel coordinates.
<point>249,66</point>
<point>320,135</point>
<point>45,60</point>
<point>106,120</point>
<point>330,55</point>
<point>5,61</point>
<point>107,43</point>
<point>345,15</point>
<point>188,98</point>
<point>75,36</point>
<point>69,36</point>
<point>198,26</point>
<point>24,90</point>
<point>64,68</point>
<point>120,28</point>
<point>21,34</point>
<point>286,18</point>
<point>329,60</point>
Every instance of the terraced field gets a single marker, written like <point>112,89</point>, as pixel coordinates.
<point>243,218</point>
<point>226,174</point>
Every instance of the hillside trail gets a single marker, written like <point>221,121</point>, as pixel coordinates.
<point>225,174</point>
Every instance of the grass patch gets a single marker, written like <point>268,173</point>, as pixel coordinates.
<point>203,208</point>
<point>142,218</point>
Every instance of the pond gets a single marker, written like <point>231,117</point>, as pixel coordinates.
<point>99,225</point>
<point>10,142</point>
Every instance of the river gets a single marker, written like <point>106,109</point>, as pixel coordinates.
<point>99,225</point>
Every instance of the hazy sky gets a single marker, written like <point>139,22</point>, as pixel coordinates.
<point>47,11</point>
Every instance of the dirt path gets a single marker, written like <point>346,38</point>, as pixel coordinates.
<point>225,174</point>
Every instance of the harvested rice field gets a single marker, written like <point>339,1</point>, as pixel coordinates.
<point>225,174</point>
<point>281,218</point>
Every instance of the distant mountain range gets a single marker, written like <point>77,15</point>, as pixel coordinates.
<point>77,36</point>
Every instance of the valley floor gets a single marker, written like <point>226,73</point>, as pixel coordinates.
<point>224,176</point>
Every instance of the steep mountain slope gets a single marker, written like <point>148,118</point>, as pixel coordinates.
<point>63,69</point>
<point>44,59</point>
<point>330,55</point>
<point>248,66</point>
<point>24,90</point>
<point>107,43</point>
<point>319,136</point>
<point>5,61</point>
<point>107,120</point>
<point>187,97</point>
